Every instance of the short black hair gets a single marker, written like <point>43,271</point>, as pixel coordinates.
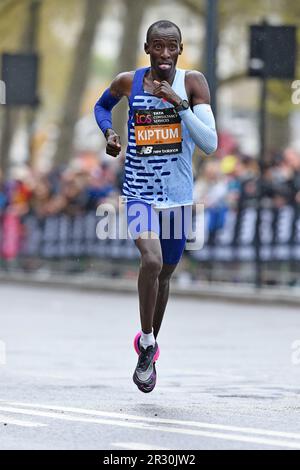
<point>162,24</point>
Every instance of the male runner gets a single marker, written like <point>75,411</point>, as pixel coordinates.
<point>169,112</point>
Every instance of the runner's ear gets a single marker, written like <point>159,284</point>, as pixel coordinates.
<point>180,49</point>
<point>146,48</point>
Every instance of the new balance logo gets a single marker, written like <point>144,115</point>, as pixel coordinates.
<point>146,150</point>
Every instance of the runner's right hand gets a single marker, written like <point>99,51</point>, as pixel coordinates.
<point>113,145</point>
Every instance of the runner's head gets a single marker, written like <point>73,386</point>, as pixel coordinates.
<point>163,44</point>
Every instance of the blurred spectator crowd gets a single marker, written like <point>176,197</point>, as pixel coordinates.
<point>221,184</point>
<point>232,181</point>
<point>72,191</point>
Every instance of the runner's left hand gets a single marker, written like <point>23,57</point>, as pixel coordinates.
<point>164,90</point>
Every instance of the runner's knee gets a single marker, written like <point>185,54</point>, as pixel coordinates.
<point>152,262</point>
<point>166,273</point>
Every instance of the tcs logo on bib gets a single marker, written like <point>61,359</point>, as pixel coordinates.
<point>144,119</point>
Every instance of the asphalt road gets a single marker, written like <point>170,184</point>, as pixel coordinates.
<point>226,379</point>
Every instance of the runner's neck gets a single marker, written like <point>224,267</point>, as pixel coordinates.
<point>151,75</point>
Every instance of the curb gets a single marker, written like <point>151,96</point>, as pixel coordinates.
<point>203,291</point>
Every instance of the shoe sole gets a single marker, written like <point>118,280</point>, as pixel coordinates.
<point>144,387</point>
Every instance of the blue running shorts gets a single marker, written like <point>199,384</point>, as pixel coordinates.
<point>172,225</point>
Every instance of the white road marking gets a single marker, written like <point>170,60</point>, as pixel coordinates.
<point>136,446</point>
<point>150,427</point>
<point>18,422</point>
<point>197,424</point>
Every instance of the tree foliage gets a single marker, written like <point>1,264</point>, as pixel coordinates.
<point>78,79</point>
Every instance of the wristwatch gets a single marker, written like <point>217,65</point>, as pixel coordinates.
<point>182,106</point>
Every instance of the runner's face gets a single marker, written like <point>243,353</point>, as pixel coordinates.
<point>164,47</point>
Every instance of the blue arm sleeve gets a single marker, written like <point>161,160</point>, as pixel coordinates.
<point>201,126</point>
<point>103,109</point>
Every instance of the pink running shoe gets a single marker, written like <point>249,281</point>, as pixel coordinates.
<point>136,345</point>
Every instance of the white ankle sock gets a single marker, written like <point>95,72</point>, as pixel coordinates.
<point>147,339</point>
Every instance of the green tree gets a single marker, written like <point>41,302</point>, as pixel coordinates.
<point>22,39</point>
<point>78,78</point>
<point>133,16</point>
<point>236,16</point>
